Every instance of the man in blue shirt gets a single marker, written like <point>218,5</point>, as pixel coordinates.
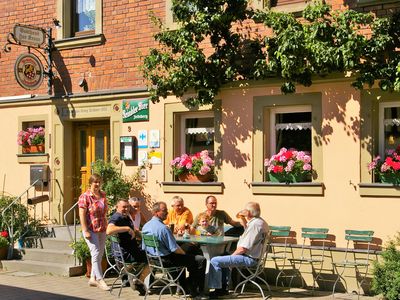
<point>172,254</point>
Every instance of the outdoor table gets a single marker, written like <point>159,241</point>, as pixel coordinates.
<point>210,245</point>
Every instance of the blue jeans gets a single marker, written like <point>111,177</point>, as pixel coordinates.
<point>219,268</point>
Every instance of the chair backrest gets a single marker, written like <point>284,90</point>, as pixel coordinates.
<point>279,231</point>
<point>362,239</point>
<point>116,252</point>
<point>314,235</point>
<point>280,236</point>
<point>154,260</point>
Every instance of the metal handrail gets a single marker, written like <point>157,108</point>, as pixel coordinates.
<point>11,229</point>
<point>72,238</point>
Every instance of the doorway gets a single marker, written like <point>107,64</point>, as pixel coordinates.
<point>92,142</point>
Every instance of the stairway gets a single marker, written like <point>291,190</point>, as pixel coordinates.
<point>54,258</point>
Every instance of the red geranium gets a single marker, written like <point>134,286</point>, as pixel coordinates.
<point>4,234</point>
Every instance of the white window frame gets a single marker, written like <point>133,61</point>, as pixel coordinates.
<point>381,135</point>
<point>280,110</point>
<point>184,117</point>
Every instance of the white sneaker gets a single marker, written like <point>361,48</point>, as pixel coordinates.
<point>101,284</point>
<point>92,282</point>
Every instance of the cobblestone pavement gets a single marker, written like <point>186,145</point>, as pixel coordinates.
<point>29,286</point>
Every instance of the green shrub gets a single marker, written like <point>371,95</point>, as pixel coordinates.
<point>4,242</point>
<point>18,216</point>
<point>115,184</point>
<point>81,250</point>
<point>386,279</point>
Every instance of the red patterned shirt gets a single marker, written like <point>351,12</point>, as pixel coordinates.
<point>96,210</point>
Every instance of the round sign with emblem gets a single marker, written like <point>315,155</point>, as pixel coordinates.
<point>28,71</point>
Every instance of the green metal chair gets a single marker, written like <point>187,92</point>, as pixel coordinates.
<point>130,269</point>
<point>313,253</point>
<point>359,257</point>
<point>256,272</point>
<point>281,251</point>
<point>168,276</point>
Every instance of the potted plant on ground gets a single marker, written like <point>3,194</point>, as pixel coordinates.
<point>4,244</point>
<point>193,167</point>
<point>82,253</point>
<point>289,166</point>
<point>32,139</point>
<point>387,170</point>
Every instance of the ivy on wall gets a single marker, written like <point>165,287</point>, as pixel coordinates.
<point>222,41</point>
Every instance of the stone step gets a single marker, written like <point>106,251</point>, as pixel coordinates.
<point>41,267</point>
<point>56,244</point>
<point>49,255</point>
<point>61,232</point>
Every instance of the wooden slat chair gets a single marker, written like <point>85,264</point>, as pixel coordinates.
<point>313,253</point>
<point>359,257</point>
<point>281,251</point>
<point>256,272</point>
<point>124,268</point>
<point>168,276</point>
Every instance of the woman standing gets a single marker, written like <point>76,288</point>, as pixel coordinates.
<point>93,216</point>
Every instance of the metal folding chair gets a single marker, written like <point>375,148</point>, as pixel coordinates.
<point>281,251</point>
<point>359,257</point>
<point>168,276</point>
<point>110,260</point>
<point>314,253</point>
<point>130,269</point>
<point>256,272</point>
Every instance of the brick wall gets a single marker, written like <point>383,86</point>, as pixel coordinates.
<point>113,65</point>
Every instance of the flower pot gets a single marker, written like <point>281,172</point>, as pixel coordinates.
<point>390,178</point>
<point>33,149</point>
<point>3,253</point>
<point>187,177</point>
<point>88,265</point>
<point>288,178</point>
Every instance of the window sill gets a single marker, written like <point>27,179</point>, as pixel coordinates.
<point>290,8</point>
<point>361,3</point>
<point>33,158</point>
<point>379,190</point>
<point>80,42</point>
<point>193,187</point>
<point>303,188</point>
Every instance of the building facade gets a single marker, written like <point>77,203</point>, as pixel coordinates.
<point>98,52</point>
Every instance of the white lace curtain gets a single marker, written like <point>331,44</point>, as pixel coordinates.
<point>85,5</point>
<point>199,130</point>
<point>393,122</point>
<point>293,126</point>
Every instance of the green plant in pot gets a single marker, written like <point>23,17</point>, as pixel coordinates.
<point>81,250</point>
<point>4,243</point>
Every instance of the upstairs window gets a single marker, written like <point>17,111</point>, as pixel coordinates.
<point>83,17</point>
<point>390,127</point>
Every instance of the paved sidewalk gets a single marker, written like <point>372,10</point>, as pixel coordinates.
<point>29,286</point>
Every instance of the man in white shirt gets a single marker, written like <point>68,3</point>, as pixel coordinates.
<point>247,253</point>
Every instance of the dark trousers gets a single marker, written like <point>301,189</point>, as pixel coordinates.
<point>195,264</point>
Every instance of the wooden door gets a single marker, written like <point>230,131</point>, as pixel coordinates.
<point>92,143</point>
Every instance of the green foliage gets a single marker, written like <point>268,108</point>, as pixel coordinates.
<point>216,43</point>
<point>386,279</point>
<point>81,250</point>
<point>4,242</point>
<point>18,216</point>
<point>115,184</point>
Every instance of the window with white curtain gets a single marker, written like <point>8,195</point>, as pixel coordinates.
<point>291,128</point>
<point>84,15</point>
<point>197,132</point>
<point>389,121</point>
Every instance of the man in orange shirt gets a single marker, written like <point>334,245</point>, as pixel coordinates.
<point>179,215</point>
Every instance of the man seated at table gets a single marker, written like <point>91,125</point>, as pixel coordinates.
<point>135,213</point>
<point>172,254</point>
<point>179,215</point>
<point>218,217</point>
<point>120,223</point>
<point>247,253</point>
